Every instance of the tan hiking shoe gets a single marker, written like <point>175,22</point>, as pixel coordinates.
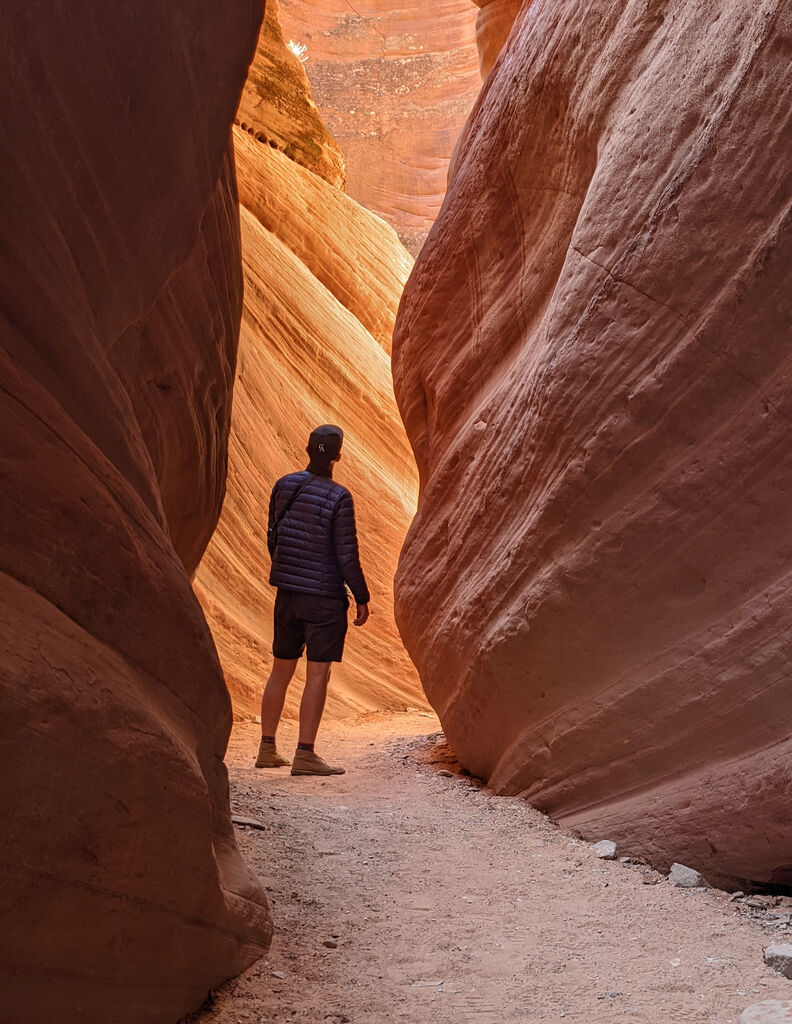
<point>306,762</point>
<point>268,756</point>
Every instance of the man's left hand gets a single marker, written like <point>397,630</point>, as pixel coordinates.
<point>362,614</point>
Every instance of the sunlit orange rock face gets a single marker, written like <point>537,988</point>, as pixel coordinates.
<point>593,359</point>
<point>394,85</point>
<point>124,897</point>
<point>277,108</point>
<point>323,279</point>
<point>493,25</point>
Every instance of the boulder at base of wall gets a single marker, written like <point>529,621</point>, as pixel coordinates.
<point>593,360</point>
<point>124,897</point>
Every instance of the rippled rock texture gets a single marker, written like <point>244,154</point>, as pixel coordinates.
<point>394,85</point>
<point>593,360</point>
<point>124,896</point>
<point>323,279</point>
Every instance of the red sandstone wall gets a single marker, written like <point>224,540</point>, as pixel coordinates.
<point>323,277</point>
<point>277,108</point>
<point>593,360</point>
<point>394,86</point>
<point>493,25</point>
<point>124,896</point>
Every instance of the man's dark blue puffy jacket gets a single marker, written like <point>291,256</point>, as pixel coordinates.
<point>317,548</point>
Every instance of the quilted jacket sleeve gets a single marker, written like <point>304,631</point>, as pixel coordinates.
<point>271,519</point>
<point>346,548</point>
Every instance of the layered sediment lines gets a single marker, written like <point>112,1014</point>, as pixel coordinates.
<point>593,360</point>
<point>323,279</point>
<point>124,896</point>
<point>394,87</point>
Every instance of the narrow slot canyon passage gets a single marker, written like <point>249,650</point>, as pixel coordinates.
<point>445,903</point>
<point>535,260</point>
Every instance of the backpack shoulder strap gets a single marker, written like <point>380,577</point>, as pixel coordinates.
<point>291,501</point>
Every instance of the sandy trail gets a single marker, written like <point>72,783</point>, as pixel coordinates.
<point>448,904</point>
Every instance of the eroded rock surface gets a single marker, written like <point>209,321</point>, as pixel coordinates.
<point>277,108</point>
<point>493,25</point>
<point>593,360</point>
<point>323,278</point>
<point>394,86</point>
<point>124,895</point>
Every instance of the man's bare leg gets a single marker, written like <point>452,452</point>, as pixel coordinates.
<point>272,701</point>
<point>274,696</point>
<point>317,676</point>
<point>306,761</point>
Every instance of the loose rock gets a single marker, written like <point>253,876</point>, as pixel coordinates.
<point>686,878</point>
<point>330,944</point>
<point>780,958</point>
<point>446,774</point>
<point>605,849</point>
<point>247,822</point>
<point>772,1011</point>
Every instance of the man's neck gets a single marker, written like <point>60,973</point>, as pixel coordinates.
<point>320,470</point>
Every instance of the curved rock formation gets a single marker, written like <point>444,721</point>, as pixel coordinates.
<point>394,87</point>
<point>493,25</point>
<point>322,282</point>
<point>593,360</point>
<point>124,895</point>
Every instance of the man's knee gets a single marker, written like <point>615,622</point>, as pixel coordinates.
<point>318,671</point>
<point>282,670</point>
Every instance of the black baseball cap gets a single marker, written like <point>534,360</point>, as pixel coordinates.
<point>325,442</point>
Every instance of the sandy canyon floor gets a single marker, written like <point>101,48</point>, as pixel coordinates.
<point>403,895</point>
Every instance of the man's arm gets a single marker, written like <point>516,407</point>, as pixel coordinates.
<point>271,520</point>
<point>348,555</point>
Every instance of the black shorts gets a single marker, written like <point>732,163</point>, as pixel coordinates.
<point>307,622</point>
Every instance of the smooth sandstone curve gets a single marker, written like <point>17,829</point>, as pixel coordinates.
<point>125,898</point>
<point>493,25</point>
<point>593,359</point>
<point>322,282</point>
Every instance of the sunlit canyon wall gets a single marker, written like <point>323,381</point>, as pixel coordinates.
<point>124,897</point>
<point>593,359</point>
<point>394,84</point>
<point>323,278</point>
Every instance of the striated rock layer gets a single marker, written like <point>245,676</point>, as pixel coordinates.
<point>593,359</point>
<point>124,896</point>
<point>276,107</point>
<point>394,86</point>
<point>322,281</point>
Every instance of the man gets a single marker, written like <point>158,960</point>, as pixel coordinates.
<point>313,544</point>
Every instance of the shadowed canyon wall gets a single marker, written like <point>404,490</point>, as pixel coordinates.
<point>124,897</point>
<point>323,279</point>
<point>593,360</point>
<point>394,84</point>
